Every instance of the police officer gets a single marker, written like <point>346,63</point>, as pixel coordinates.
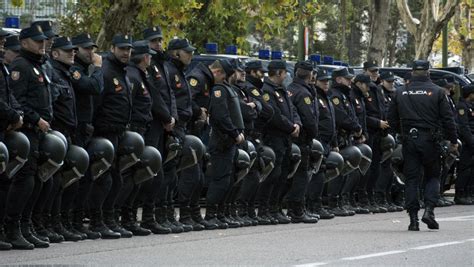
<point>328,138</point>
<point>465,110</point>
<point>64,121</point>
<point>140,120</point>
<point>87,81</point>
<point>11,118</point>
<point>111,118</point>
<point>226,133</point>
<point>284,124</point>
<point>164,114</point>
<point>29,86</point>
<point>47,27</point>
<point>383,184</point>
<point>180,53</point>
<point>12,49</point>
<point>360,89</point>
<point>419,112</point>
<point>347,126</point>
<point>371,68</point>
<point>303,97</point>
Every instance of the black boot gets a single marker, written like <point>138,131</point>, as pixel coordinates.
<point>221,215</point>
<point>358,209</point>
<point>298,215</point>
<point>162,218</point>
<point>344,204</point>
<point>322,212</point>
<point>211,218</point>
<point>49,231</point>
<point>252,214</point>
<point>381,200</point>
<point>373,203</point>
<point>129,223</point>
<point>4,245</point>
<point>39,227</point>
<point>242,212</point>
<point>364,202</point>
<point>461,197</point>
<point>263,215</point>
<point>172,220</point>
<point>414,224</point>
<point>277,214</point>
<point>14,237</point>
<point>334,207</point>
<point>67,223</point>
<point>429,218</point>
<point>235,215</point>
<point>97,225</point>
<point>30,237</point>
<point>111,221</point>
<point>197,217</point>
<point>149,222</point>
<point>59,228</point>
<point>186,219</point>
<point>79,227</point>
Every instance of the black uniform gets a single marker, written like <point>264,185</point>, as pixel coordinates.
<point>419,112</point>
<point>465,111</point>
<point>29,85</point>
<point>226,124</point>
<point>277,136</point>
<point>111,118</point>
<point>303,97</point>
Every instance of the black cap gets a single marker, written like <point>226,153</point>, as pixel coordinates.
<point>467,90</point>
<point>33,32</point>
<point>363,78</point>
<point>63,43</point>
<point>83,40</point>
<point>371,65</point>
<point>342,72</point>
<point>152,33</point>
<point>421,65</point>
<point>183,44</point>
<point>227,66</point>
<point>305,65</point>
<point>255,65</point>
<point>4,33</point>
<point>442,83</point>
<point>46,26</point>
<point>277,65</point>
<point>237,65</point>
<point>121,40</point>
<point>141,47</point>
<point>387,76</point>
<point>322,75</point>
<point>12,43</point>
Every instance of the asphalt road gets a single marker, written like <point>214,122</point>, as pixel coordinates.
<point>361,240</point>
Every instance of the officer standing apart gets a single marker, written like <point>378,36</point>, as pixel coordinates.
<point>419,112</point>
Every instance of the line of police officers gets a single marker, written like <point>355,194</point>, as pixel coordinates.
<point>89,137</point>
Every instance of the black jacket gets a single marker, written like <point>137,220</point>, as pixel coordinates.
<point>285,114</point>
<point>224,111</point>
<point>114,105</point>
<point>359,108</point>
<point>200,81</point>
<point>141,98</point>
<point>304,99</point>
<point>87,81</point>
<point>249,114</point>
<point>64,100</point>
<point>327,121</point>
<point>176,80</point>
<point>346,118</point>
<point>163,91</point>
<point>465,115</point>
<point>10,110</point>
<point>375,107</point>
<point>29,86</point>
<point>423,105</point>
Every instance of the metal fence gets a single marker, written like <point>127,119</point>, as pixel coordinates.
<point>20,13</point>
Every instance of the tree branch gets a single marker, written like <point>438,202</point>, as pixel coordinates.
<point>407,18</point>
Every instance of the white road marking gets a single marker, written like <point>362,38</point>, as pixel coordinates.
<point>456,219</point>
<point>381,254</point>
<point>373,255</point>
<point>439,245</point>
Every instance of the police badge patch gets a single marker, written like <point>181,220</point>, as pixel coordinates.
<point>193,82</point>
<point>307,100</point>
<point>266,97</point>
<point>461,112</point>
<point>15,75</point>
<point>217,93</point>
<point>336,101</point>
<point>255,92</point>
<point>76,75</point>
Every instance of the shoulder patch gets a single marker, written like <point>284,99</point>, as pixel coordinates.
<point>15,75</point>
<point>461,111</point>
<point>307,100</point>
<point>255,92</point>
<point>266,97</point>
<point>217,93</point>
<point>76,75</point>
<point>193,82</point>
<point>336,101</point>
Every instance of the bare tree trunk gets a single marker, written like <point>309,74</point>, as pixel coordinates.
<point>119,19</point>
<point>393,33</point>
<point>342,50</point>
<point>434,16</point>
<point>379,25</point>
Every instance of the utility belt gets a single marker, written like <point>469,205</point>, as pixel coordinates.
<point>415,132</point>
